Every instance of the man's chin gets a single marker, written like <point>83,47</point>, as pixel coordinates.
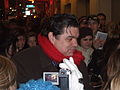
<point>70,54</point>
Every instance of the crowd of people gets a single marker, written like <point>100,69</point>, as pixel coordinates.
<point>102,46</point>
<point>36,45</point>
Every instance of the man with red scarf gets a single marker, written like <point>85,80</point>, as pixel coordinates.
<point>57,40</point>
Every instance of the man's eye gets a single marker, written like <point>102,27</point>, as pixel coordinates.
<point>90,39</point>
<point>69,39</point>
<point>85,39</point>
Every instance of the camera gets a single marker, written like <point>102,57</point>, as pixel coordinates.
<point>60,78</point>
<point>64,75</point>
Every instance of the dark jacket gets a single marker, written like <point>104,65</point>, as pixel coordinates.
<point>32,62</point>
<point>97,63</point>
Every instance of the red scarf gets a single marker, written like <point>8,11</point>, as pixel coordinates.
<point>54,54</point>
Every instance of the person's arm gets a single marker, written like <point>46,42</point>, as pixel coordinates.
<point>86,80</point>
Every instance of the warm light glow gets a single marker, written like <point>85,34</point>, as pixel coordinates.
<point>31,0</point>
<point>51,2</point>
<point>35,16</point>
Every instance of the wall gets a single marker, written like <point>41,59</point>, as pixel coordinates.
<point>115,14</point>
<point>82,8</point>
<point>76,7</point>
<point>86,7</point>
<point>104,6</point>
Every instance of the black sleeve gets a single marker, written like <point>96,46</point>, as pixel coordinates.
<point>86,80</point>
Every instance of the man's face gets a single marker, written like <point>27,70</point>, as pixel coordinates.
<point>93,25</point>
<point>32,41</point>
<point>66,43</point>
<point>102,20</point>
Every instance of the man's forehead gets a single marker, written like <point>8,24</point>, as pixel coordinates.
<point>20,36</point>
<point>92,22</point>
<point>71,31</point>
<point>101,17</point>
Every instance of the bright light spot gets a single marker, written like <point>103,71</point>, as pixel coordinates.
<point>35,16</point>
<point>27,12</point>
<point>20,5</point>
<point>25,16</point>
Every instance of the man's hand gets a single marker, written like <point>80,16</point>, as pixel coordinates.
<point>75,75</point>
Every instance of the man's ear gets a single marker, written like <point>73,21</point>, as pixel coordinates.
<point>51,37</point>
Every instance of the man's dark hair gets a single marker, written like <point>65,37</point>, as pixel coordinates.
<point>101,14</point>
<point>83,20</point>
<point>57,23</point>
<point>93,18</point>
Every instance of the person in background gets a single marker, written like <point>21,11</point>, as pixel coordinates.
<point>93,23</point>
<point>56,41</point>
<point>98,54</point>
<point>14,41</point>
<point>20,41</point>
<point>115,82</point>
<point>9,46</point>
<point>113,71</point>
<point>85,41</point>
<point>83,21</point>
<point>102,18</point>
<point>5,42</point>
<point>112,43</point>
<point>97,60</point>
<point>7,74</point>
<point>31,39</point>
<point>110,27</point>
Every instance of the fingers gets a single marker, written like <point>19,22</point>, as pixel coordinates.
<point>63,65</point>
<point>71,60</point>
<point>74,73</point>
<point>69,64</point>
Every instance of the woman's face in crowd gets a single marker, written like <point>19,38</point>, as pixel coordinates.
<point>21,42</point>
<point>86,42</point>
<point>66,43</point>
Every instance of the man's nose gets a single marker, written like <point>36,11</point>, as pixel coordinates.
<point>75,43</point>
<point>89,26</point>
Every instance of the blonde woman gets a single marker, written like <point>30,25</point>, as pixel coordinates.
<point>113,71</point>
<point>115,83</point>
<point>7,74</point>
<point>113,65</point>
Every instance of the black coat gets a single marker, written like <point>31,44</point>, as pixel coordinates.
<point>32,62</point>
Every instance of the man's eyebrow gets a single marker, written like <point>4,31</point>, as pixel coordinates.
<point>71,37</point>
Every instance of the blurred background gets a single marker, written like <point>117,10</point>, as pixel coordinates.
<point>23,8</point>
